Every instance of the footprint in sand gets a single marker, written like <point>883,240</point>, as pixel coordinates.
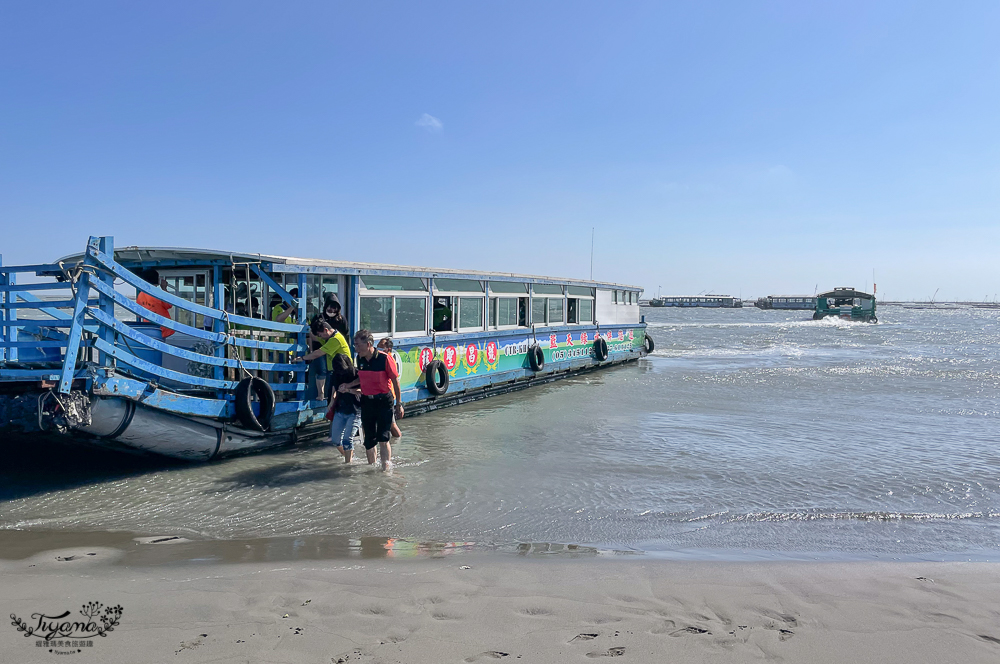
<point>610,652</point>
<point>583,637</point>
<point>489,654</point>
<point>688,631</point>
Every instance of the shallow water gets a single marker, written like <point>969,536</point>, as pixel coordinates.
<point>746,430</point>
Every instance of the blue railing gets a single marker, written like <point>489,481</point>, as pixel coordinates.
<point>96,345</point>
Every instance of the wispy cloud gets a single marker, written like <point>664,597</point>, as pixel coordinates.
<point>429,123</point>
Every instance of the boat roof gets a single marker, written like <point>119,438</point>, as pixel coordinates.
<point>809,296</point>
<point>712,295</point>
<point>181,256</point>
<point>846,292</point>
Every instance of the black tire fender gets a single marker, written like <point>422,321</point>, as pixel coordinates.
<point>248,388</point>
<point>648,344</point>
<point>536,358</point>
<point>600,349</point>
<point>436,377</point>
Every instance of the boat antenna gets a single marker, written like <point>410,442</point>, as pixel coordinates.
<point>591,253</point>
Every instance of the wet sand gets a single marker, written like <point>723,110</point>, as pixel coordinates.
<point>490,607</point>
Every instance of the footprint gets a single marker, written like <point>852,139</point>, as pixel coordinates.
<point>583,637</point>
<point>687,631</point>
<point>785,634</point>
<point>535,611</point>
<point>65,558</point>
<point>610,652</point>
<point>192,644</point>
<point>437,615</point>
<point>667,626</point>
<point>489,654</point>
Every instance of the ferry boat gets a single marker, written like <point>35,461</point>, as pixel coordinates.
<point>716,301</point>
<point>786,302</point>
<point>214,378</point>
<point>847,303</point>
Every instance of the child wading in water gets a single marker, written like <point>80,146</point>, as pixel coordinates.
<point>344,412</point>
<point>385,345</point>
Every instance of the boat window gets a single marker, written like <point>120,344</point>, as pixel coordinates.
<point>580,291</point>
<point>470,312</point>
<point>555,310</point>
<point>547,289</point>
<point>378,282</point>
<point>631,297</point>
<point>614,297</point>
<point>411,314</point>
<point>376,315</point>
<point>191,287</point>
<point>317,288</point>
<point>586,311</point>
<point>538,308</point>
<point>508,287</point>
<point>571,310</point>
<point>458,285</point>
<point>504,311</point>
<point>443,314</point>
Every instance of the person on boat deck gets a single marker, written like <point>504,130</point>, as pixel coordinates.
<point>282,312</point>
<point>317,373</point>
<point>331,314</point>
<point>379,381</point>
<point>333,343</point>
<point>149,302</point>
<point>385,345</point>
<point>344,411</point>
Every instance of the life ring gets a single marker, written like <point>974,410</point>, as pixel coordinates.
<point>600,349</point>
<point>436,377</point>
<point>648,344</point>
<point>536,358</point>
<point>245,391</point>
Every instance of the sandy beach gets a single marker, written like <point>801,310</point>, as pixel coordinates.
<point>483,607</point>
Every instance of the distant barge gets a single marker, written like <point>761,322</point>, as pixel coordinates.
<point>711,301</point>
<point>81,357</point>
<point>801,302</point>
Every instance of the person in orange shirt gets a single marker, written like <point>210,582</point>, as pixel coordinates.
<point>149,302</point>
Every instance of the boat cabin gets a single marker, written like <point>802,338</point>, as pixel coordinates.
<point>847,303</point>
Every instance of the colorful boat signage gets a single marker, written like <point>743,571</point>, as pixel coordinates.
<point>510,353</point>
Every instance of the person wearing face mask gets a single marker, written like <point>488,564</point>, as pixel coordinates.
<point>332,315</point>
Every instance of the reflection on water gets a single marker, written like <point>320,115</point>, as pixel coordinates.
<point>746,430</point>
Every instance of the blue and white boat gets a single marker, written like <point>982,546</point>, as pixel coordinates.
<point>80,357</point>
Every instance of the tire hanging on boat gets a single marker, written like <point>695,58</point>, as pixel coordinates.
<point>436,377</point>
<point>245,391</point>
<point>600,349</point>
<point>536,358</point>
<point>648,344</point>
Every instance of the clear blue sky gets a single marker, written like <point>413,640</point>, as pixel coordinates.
<point>742,147</point>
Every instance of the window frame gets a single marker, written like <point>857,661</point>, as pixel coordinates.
<point>458,316</point>
<point>422,295</point>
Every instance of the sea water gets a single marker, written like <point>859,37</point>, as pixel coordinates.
<point>746,432</point>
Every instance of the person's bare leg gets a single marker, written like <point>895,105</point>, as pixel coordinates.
<point>370,453</point>
<point>321,388</point>
<point>348,455</point>
<point>396,433</point>
<point>385,452</point>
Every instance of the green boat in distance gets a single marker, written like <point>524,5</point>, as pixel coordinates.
<point>846,303</point>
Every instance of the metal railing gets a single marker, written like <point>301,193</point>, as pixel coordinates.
<point>81,337</point>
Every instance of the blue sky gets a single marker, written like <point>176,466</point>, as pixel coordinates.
<point>741,147</point>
